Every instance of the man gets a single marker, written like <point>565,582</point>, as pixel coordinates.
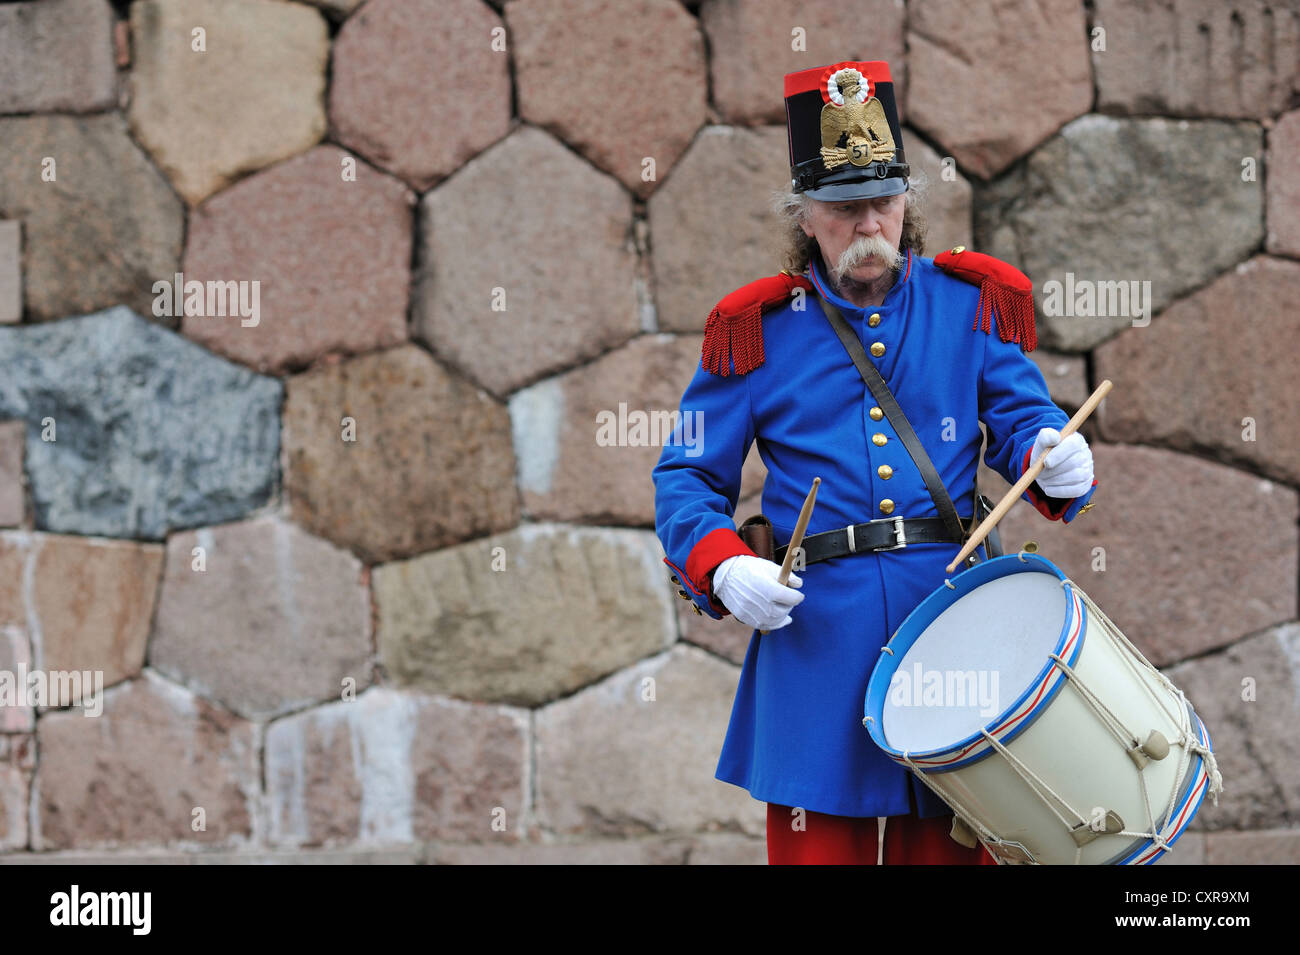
<point>951,353</point>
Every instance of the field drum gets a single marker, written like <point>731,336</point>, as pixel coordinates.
<point>1013,697</point>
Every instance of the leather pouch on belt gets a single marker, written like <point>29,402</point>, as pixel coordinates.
<point>758,537</point>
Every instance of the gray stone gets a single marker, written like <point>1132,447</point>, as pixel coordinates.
<point>137,774</point>
<point>273,619</point>
<point>588,440</point>
<point>339,8</point>
<point>391,455</point>
<point>711,849</point>
<point>254,96</point>
<point>15,648</point>
<point>991,82</point>
<point>332,258</point>
<point>508,305</point>
<point>103,231</point>
<point>712,224</point>
<point>17,762</point>
<point>1248,697</point>
<point>645,851</point>
<point>1157,555</point>
<point>393,768</point>
<point>1230,58</point>
<point>1212,374</point>
<point>99,626</point>
<point>398,855</point>
<point>727,849</point>
<point>151,431</point>
<point>631,85</point>
<point>1124,200</point>
<point>751,48</point>
<point>1284,185</point>
<point>56,56</point>
<point>526,616</point>
<point>636,753</point>
<point>419,86</point>
<point>13,435</point>
<point>11,272</point>
<point>1268,847</point>
<point>1188,850</point>
<point>947,202</point>
<point>1066,377</point>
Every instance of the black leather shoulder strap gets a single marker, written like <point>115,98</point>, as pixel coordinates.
<point>885,399</point>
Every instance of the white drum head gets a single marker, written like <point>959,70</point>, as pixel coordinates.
<point>973,661</point>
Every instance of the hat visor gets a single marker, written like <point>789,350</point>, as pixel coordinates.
<point>857,188</point>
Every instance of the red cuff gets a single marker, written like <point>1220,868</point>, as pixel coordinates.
<point>1052,508</point>
<point>713,548</point>
<point>1042,503</point>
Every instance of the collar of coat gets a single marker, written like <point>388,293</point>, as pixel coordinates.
<point>733,333</point>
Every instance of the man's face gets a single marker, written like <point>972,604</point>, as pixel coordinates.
<point>838,225</point>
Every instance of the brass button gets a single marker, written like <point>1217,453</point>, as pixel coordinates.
<point>879,440</point>
<point>696,608</point>
<point>876,414</point>
<point>958,249</point>
<point>1086,508</point>
<point>877,349</point>
<point>885,471</point>
<point>886,506</point>
<point>874,320</point>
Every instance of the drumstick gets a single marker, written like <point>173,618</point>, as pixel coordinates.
<point>796,538</point>
<point>1013,495</point>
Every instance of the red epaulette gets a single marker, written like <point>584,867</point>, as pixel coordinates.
<point>1005,291</point>
<point>734,330</point>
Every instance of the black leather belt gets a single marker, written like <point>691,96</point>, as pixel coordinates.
<point>875,536</point>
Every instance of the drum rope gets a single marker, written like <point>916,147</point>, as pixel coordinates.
<point>1025,773</point>
<point>984,832</point>
<point>1133,658</point>
<point>1187,738</point>
<point>1112,722</point>
<point>1127,739</point>
<point>1035,782</point>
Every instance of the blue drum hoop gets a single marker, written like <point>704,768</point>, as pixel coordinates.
<point>1026,708</point>
<point>1189,804</point>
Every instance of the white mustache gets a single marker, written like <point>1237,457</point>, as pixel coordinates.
<point>862,249</point>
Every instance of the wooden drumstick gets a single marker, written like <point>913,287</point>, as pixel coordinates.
<point>1026,479</point>
<point>796,538</point>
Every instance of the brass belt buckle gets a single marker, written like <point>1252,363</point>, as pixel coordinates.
<point>900,537</point>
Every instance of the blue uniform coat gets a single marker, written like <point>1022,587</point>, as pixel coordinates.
<point>796,736</point>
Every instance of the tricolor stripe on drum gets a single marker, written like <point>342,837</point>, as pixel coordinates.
<point>1189,807</point>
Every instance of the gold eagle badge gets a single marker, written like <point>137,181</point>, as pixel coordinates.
<point>854,126</point>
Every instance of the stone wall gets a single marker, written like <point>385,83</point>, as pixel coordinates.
<point>361,582</point>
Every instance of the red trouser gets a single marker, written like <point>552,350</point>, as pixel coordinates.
<point>851,840</point>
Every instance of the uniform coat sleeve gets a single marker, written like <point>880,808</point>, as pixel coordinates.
<point>696,487</point>
<point>1014,404</point>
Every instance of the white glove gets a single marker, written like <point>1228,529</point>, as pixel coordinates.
<point>1067,472</point>
<point>747,586</point>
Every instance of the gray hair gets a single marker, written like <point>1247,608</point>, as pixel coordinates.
<point>792,209</point>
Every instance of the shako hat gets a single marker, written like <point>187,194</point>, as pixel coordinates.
<point>842,124</point>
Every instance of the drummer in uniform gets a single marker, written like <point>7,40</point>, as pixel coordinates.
<point>949,336</point>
